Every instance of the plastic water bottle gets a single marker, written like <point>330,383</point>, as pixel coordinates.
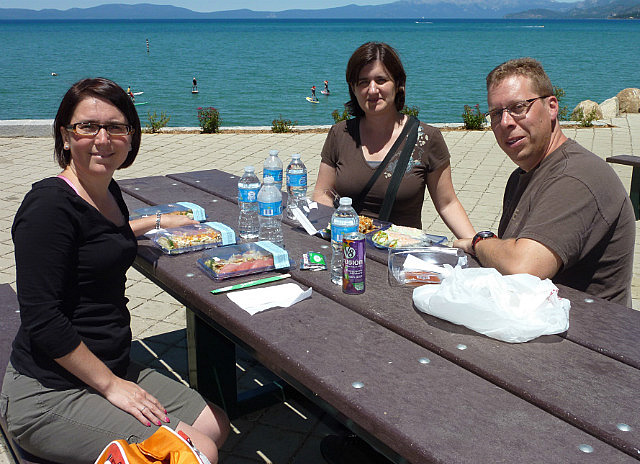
<point>273,168</point>
<point>296,183</point>
<point>344,221</point>
<point>248,188</point>
<point>270,207</point>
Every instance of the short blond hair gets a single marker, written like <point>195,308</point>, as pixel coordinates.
<point>527,67</point>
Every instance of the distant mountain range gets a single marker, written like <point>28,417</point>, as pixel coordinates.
<point>436,9</point>
<point>588,9</point>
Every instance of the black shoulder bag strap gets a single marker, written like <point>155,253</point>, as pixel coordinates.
<point>357,202</point>
<point>399,171</point>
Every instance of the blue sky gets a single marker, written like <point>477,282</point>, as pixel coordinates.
<point>198,5</point>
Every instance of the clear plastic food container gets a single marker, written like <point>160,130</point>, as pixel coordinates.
<point>403,237</point>
<point>194,237</point>
<point>243,259</point>
<point>419,266</point>
<point>190,210</point>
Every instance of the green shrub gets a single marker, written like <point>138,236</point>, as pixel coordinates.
<point>156,123</point>
<point>410,110</point>
<point>210,119</point>
<point>559,93</point>
<point>282,125</point>
<point>337,116</point>
<point>585,120</point>
<point>473,118</point>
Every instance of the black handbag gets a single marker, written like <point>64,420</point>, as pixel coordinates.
<point>410,133</point>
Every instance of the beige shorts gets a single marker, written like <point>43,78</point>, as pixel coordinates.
<point>74,426</point>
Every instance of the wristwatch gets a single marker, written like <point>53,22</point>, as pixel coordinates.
<point>480,236</point>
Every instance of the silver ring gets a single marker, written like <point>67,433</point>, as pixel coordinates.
<point>143,408</point>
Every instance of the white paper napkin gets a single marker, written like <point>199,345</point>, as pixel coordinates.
<point>258,299</point>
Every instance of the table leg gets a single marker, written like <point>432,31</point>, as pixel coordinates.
<point>634,192</point>
<point>212,371</point>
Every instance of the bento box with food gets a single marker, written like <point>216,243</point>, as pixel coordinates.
<point>194,237</point>
<point>403,237</point>
<point>243,259</point>
<point>191,210</point>
<point>425,265</point>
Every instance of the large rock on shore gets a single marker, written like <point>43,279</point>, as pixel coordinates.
<point>610,108</point>
<point>629,100</point>
<point>587,106</point>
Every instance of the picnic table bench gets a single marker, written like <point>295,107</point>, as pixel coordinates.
<point>9,323</point>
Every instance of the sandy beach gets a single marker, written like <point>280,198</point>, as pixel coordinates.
<point>289,432</point>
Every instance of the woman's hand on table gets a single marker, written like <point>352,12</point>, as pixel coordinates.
<point>167,221</point>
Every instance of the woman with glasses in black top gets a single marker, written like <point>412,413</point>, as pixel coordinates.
<point>71,387</point>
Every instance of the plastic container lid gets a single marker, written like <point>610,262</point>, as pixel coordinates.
<point>267,180</point>
<point>243,259</point>
<point>190,210</point>
<point>421,266</point>
<point>345,201</point>
<point>295,156</point>
<point>249,169</point>
<point>194,237</point>
<point>273,152</point>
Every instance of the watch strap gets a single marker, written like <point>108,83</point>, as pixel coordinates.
<point>480,236</point>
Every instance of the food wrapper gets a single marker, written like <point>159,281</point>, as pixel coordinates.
<point>243,259</point>
<point>194,237</point>
<point>313,261</point>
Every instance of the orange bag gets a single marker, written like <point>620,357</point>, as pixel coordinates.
<point>165,446</point>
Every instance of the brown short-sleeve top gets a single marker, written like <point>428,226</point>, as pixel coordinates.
<point>343,151</point>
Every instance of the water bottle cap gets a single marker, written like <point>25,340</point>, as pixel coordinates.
<point>273,152</point>
<point>268,180</point>
<point>249,169</point>
<point>295,156</point>
<point>345,201</point>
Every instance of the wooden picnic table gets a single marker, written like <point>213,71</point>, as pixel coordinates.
<point>428,390</point>
<point>634,188</point>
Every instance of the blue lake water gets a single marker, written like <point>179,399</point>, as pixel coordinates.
<point>256,70</point>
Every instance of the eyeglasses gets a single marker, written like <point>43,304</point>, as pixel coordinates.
<point>92,128</point>
<point>517,110</point>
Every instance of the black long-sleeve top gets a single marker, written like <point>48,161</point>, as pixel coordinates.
<point>70,269</point>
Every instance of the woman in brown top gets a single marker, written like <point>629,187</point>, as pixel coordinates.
<point>354,148</point>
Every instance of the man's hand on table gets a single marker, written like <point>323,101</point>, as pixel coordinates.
<point>465,245</point>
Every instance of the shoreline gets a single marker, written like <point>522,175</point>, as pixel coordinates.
<point>43,128</point>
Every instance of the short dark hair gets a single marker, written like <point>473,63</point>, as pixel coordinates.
<point>527,67</point>
<point>368,53</point>
<point>101,88</point>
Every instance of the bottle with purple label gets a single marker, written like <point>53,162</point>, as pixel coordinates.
<point>354,253</point>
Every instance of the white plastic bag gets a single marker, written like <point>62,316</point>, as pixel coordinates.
<point>512,308</point>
